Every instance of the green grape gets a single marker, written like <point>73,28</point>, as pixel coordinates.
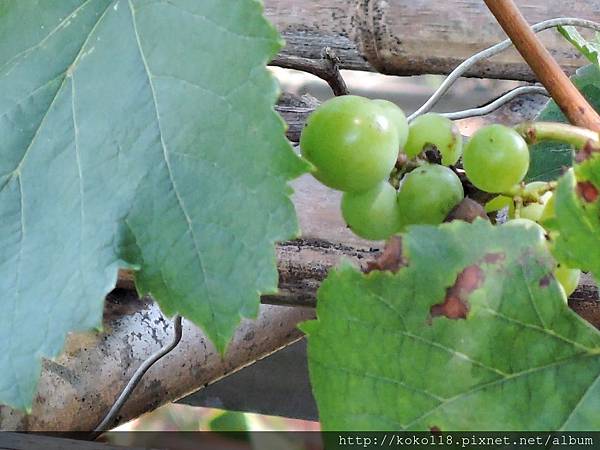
<point>372,214</point>
<point>568,278</point>
<point>534,210</point>
<point>496,158</point>
<point>397,117</point>
<point>499,202</point>
<point>428,194</point>
<point>433,129</point>
<point>548,217</point>
<point>351,143</point>
<point>549,211</point>
<point>529,224</point>
<point>535,186</point>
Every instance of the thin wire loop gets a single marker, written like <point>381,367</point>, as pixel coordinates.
<point>492,51</point>
<point>493,106</point>
<point>137,376</point>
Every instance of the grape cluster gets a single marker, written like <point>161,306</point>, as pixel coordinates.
<point>365,148</point>
<point>353,144</point>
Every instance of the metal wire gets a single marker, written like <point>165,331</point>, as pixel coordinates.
<point>492,51</point>
<point>137,376</point>
<point>500,101</point>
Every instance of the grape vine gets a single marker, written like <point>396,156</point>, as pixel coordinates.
<point>184,218</point>
<point>445,301</point>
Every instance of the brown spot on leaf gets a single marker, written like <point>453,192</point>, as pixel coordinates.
<point>587,191</point>
<point>468,280</point>
<point>455,304</point>
<point>587,151</point>
<point>545,280</point>
<point>467,210</point>
<point>453,308</point>
<point>435,429</point>
<point>391,259</point>
<point>494,258</point>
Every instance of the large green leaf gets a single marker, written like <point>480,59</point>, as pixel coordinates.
<point>577,219</point>
<point>549,159</point>
<point>135,133</point>
<point>521,360</point>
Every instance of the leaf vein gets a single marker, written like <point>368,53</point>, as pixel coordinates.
<point>433,344</point>
<point>48,36</point>
<point>543,330</point>
<point>512,377</point>
<point>166,158</point>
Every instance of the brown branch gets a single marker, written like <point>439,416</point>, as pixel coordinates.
<point>78,388</point>
<point>326,68</point>
<point>569,99</point>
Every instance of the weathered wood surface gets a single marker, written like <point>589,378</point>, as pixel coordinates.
<point>411,37</point>
<point>78,388</point>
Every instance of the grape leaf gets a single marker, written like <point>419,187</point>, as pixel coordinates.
<point>591,50</point>
<point>384,354</point>
<point>135,133</point>
<point>548,158</point>
<point>577,210</point>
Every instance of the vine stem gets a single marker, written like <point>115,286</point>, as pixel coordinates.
<point>578,137</point>
<point>569,99</point>
<point>326,68</point>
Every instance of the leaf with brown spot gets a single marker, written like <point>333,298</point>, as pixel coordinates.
<point>545,280</point>
<point>587,151</point>
<point>391,259</point>
<point>494,257</point>
<point>454,308</point>
<point>587,191</point>
<point>522,359</point>
<point>456,303</point>
<point>577,209</point>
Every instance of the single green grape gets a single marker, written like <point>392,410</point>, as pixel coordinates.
<point>351,143</point>
<point>568,278</point>
<point>428,194</point>
<point>534,210</point>
<point>535,186</point>
<point>549,211</point>
<point>436,130</point>
<point>397,117</point>
<point>499,202</point>
<point>372,214</point>
<point>496,158</point>
<point>529,224</point>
